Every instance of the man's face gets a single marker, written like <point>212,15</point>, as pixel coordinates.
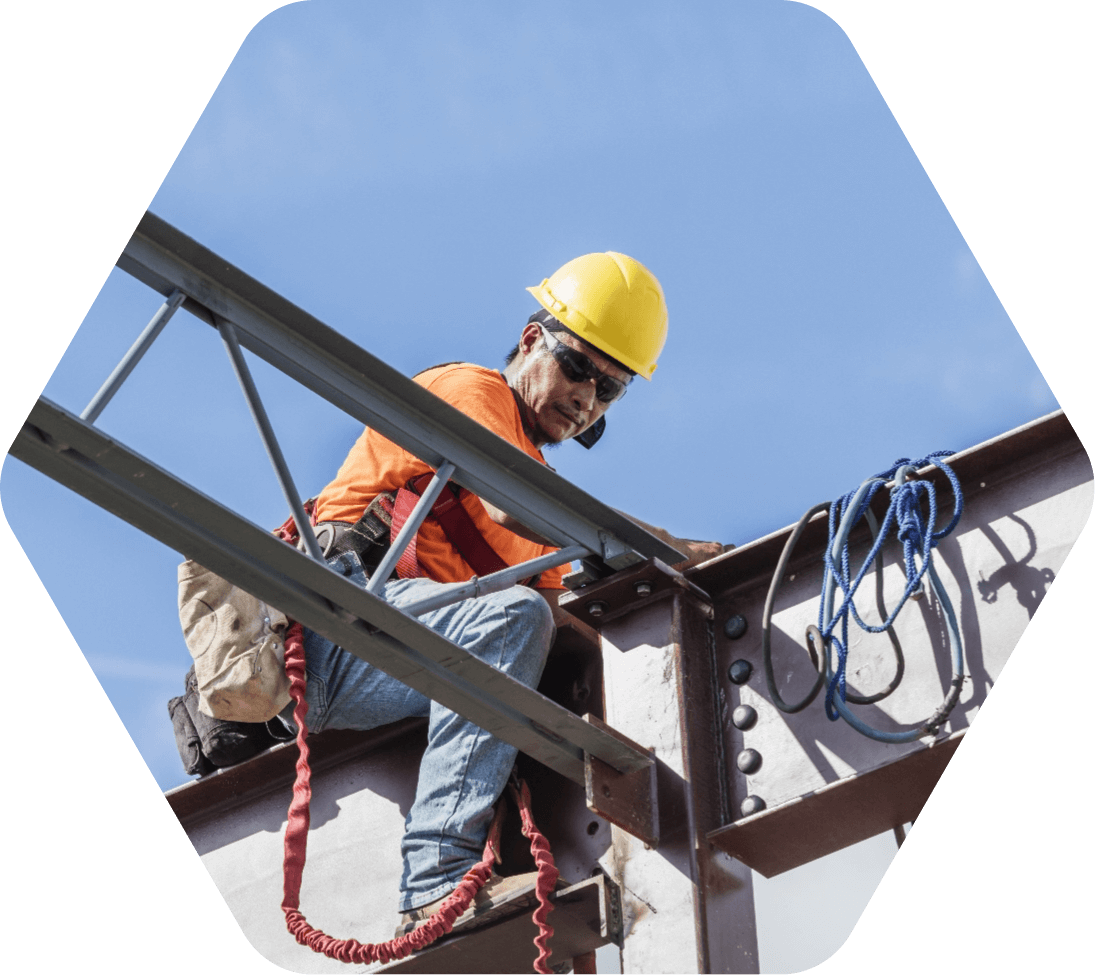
<point>555,408</point>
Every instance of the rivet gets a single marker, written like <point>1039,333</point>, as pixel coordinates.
<point>644,587</point>
<point>748,761</point>
<point>596,608</point>
<point>740,671</point>
<point>735,627</point>
<point>752,804</point>
<point>744,717</point>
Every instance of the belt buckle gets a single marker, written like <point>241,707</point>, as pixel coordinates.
<point>326,534</point>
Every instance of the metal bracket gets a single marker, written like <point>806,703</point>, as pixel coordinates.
<point>616,554</point>
<point>626,591</point>
<point>627,800</point>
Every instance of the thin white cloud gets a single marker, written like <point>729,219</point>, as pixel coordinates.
<point>128,668</point>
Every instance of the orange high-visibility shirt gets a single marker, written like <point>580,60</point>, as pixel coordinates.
<point>375,465</point>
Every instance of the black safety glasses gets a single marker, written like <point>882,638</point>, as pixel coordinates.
<point>578,368</point>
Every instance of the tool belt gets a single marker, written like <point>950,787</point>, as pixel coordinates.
<point>338,537</point>
<point>369,537</point>
<point>239,669</point>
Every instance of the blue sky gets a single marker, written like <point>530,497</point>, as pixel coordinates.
<point>403,173</point>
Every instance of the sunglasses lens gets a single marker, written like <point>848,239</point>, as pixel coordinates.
<point>609,389</point>
<point>578,368</point>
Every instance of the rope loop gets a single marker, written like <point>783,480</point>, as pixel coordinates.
<point>918,537</point>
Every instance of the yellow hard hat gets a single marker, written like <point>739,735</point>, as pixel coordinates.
<point>612,302</point>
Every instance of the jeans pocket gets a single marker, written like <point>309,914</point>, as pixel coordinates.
<point>349,564</point>
<point>316,695</point>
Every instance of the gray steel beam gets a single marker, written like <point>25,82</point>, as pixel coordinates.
<point>453,592</point>
<point>380,397</point>
<point>80,457</point>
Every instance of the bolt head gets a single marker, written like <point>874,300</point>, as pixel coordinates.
<point>735,627</point>
<point>748,761</point>
<point>596,608</point>
<point>752,804</point>
<point>740,671</point>
<point>644,587</point>
<point>744,717</point>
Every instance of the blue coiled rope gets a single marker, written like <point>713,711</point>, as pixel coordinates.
<point>918,538</point>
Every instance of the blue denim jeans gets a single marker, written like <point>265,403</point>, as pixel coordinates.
<point>464,769</point>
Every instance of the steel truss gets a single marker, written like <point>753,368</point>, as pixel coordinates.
<point>72,451</point>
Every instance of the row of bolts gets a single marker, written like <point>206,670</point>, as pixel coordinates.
<point>744,717</point>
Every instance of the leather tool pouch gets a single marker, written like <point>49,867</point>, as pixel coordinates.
<point>206,743</point>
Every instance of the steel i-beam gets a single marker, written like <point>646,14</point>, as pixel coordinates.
<point>687,906</point>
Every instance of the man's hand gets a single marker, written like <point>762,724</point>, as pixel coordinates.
<point>696,551</point>
<point>699,551</point>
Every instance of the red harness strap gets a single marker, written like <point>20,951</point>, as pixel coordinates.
<point>455,522</point>
<point>296,841</point>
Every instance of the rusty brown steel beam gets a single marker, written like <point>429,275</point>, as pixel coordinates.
<point>686,899</point>
<point>363,784</point>
<point>686,905</point>
<point>585,917</point>
<point>628,800</point>
<point>742,784</point>
<point>274,770</point>
<point>800,786</point>
<point>1016,451</point>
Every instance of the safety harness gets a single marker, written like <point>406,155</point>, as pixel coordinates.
<point>455,522</point>
<point>384,518</point>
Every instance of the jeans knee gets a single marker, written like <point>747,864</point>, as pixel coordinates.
<point>530,614</point>
<point>533,609</point>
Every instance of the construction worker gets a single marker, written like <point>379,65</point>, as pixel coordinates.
<point>603,319</point>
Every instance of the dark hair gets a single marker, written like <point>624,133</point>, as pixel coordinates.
<point>550,323</point>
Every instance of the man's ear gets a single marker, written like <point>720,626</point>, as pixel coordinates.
<point>588,437</point>
<point>529,334</point>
